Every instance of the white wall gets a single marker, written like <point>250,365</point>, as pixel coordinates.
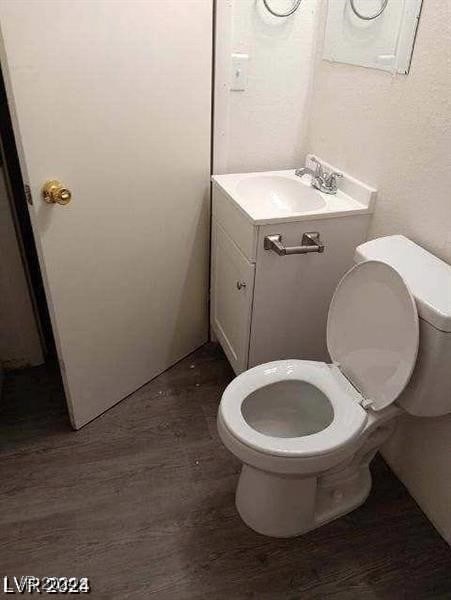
<point>263,127</point>
<point>20,345</point>
<point>395,133</point>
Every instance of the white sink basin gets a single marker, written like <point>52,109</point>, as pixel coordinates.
<point>281,196</point>
<point>281,193</point>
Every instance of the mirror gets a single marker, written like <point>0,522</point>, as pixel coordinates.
<point>377,34</point>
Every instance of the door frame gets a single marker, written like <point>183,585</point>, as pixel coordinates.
<point>22,223</point>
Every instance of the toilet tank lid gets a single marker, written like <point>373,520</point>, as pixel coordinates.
<point>428,277</point>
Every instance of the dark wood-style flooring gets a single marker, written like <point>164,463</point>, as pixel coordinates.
<point>141,501</point>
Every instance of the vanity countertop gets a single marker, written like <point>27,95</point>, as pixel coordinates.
<point>281,196</point>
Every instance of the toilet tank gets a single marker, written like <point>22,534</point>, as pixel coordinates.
<point>428,393</point>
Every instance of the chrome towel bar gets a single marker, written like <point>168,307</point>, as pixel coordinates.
<point>310,243</point>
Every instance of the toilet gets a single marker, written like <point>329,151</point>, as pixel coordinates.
<point>307,431</point>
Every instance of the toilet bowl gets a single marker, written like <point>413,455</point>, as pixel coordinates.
<point>306,431</point>
<point>305,442</point>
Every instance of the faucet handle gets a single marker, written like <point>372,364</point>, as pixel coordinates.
<point>336,175</point>
<point>331,179</point>
<point>319,173</point>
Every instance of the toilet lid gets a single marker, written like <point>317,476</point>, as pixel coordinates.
<point>373,331</point>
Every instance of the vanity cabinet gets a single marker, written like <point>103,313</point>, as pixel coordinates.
<point>268,307</point>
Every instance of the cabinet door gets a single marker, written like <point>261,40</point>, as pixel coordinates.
<point>232,292</point>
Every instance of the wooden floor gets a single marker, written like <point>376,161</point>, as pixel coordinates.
<point>141,501</point>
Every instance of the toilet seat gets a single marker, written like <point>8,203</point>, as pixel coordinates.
<point>373,331</point>
<point>372,337</point>
<point>349,417</point>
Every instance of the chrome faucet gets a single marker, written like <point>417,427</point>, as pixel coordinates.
<point>322,180</point>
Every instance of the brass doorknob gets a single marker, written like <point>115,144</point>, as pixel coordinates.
<point>54,192</point>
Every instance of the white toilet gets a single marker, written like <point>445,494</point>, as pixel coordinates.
<point>306,431</point>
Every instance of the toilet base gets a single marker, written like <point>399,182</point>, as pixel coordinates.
<point>280,505</point>
<point>286,506</point>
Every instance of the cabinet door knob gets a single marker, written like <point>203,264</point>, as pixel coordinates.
<point>240,285</point>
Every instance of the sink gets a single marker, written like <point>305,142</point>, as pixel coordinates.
<point>281,196</point>
<point>281,193</point>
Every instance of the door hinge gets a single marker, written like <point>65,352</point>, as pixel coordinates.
<point>28,195</point>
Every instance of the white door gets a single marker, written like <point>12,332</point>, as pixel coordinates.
<point>232,293</point>
<point>112,98</point>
